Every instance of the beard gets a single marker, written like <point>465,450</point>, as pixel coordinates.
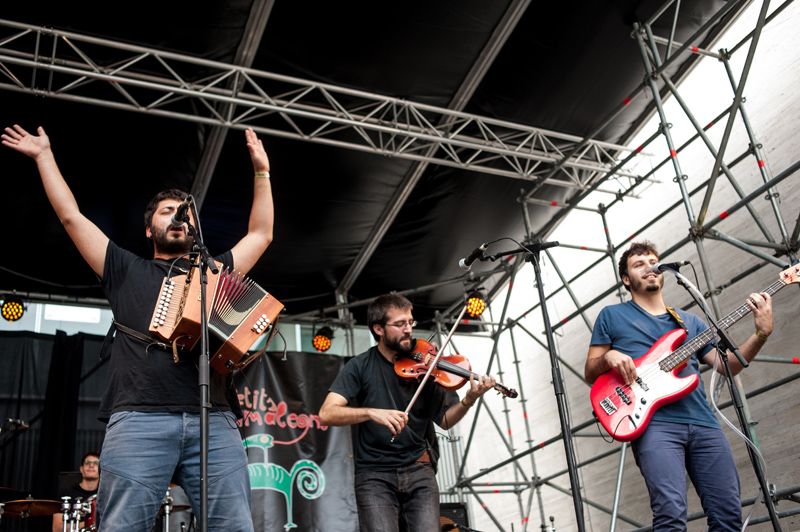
<point>165,244</point>
<point>397,344</point>
<point>636,284</point>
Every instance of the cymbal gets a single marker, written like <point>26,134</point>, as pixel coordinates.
<point>10,494</point>
<point>31,508</point>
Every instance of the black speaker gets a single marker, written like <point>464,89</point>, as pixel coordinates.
<point>454,511</point>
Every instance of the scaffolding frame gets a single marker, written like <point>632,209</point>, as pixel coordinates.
<point>700,228</point>
<point>235,96</point>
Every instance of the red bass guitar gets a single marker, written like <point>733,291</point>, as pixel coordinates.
<point>625,410</point>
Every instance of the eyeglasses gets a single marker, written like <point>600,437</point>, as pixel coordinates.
<point>92,462</point>
<point>403,324</point>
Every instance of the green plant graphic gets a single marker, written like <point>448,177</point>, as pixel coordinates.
<point>265,476</point>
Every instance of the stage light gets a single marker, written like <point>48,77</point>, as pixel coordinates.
<point>476,303</point>
<point>12,308</point>
<point>322,339</point>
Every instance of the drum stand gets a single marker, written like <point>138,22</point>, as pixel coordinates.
<point>167,507</point>
<point>73,512</point>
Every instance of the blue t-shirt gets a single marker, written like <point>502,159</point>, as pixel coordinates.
<point>630,329</point>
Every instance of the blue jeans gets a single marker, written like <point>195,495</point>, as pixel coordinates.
<point>410,493</point>
<point>141,452</point>
<point>666,451</point>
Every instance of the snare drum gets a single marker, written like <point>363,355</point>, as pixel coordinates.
<point>90,514</point>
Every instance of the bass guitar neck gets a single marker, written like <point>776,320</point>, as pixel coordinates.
<point>625,410</point>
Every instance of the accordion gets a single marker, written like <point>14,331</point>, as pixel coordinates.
<point>239,312</point>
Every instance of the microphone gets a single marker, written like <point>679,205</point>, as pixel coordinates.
<point>664,266</point>
<point>477,253</point>
<point>179,217</point>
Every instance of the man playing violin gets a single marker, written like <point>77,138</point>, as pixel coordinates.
<point>395,457</point>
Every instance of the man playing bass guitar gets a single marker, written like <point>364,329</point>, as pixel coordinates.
<point>683,434</point>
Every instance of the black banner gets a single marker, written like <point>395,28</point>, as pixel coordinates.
<point>301,472</point>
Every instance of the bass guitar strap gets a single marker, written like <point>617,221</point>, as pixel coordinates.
<point>677,317</point>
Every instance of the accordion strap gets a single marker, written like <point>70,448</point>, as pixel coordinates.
<point>150,341</point>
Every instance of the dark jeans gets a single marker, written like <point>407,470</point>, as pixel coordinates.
<point>143,449</point>
<point>409,493</point>
<point>666,451</point>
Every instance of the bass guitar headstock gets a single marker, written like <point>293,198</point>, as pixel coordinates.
<point>791,274</point>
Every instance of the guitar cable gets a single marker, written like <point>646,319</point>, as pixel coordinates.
<point>715,387</point>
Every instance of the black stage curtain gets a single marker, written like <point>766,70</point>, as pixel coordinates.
<point>59,421</point>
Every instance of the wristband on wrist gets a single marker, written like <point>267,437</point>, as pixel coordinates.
<point>761,335</point>
<point>264,174</point>
<point>465,404</point>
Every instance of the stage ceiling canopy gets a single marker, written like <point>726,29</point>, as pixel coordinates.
<point>377,186</point>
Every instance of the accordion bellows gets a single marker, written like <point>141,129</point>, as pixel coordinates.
<point>239,311</point>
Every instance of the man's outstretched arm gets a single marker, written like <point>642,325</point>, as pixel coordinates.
<point>87,237</point>
<point>249,249</point>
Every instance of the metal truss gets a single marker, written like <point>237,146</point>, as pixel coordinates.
<point>412,176</point>
<point>102,72</point>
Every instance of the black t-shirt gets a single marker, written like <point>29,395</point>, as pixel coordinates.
<point>369,380</point>
<point>140,378</point>
<point>74,491</point>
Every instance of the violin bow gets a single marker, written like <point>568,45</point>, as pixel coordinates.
<point>433,364</point>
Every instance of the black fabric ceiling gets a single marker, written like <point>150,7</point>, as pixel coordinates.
<point>565,66</point>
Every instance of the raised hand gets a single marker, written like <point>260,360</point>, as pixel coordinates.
<point>20,140</point>
<point>257,152</point>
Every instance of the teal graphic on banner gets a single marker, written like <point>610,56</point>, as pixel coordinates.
<point>265,476</point>
<point>291,455</point>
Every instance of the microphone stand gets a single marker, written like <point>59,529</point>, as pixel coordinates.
<point>724,345</point>
<point>203,368</point>
<point>531,252</point>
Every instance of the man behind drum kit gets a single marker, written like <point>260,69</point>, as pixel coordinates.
<point>86,488</point>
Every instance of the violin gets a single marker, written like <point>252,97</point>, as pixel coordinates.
<point>451,374</point>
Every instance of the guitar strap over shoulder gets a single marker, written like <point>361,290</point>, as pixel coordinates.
<point>677,317</point>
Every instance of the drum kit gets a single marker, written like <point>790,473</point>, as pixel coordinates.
<point>14,504</point>
<point>79,514</point>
